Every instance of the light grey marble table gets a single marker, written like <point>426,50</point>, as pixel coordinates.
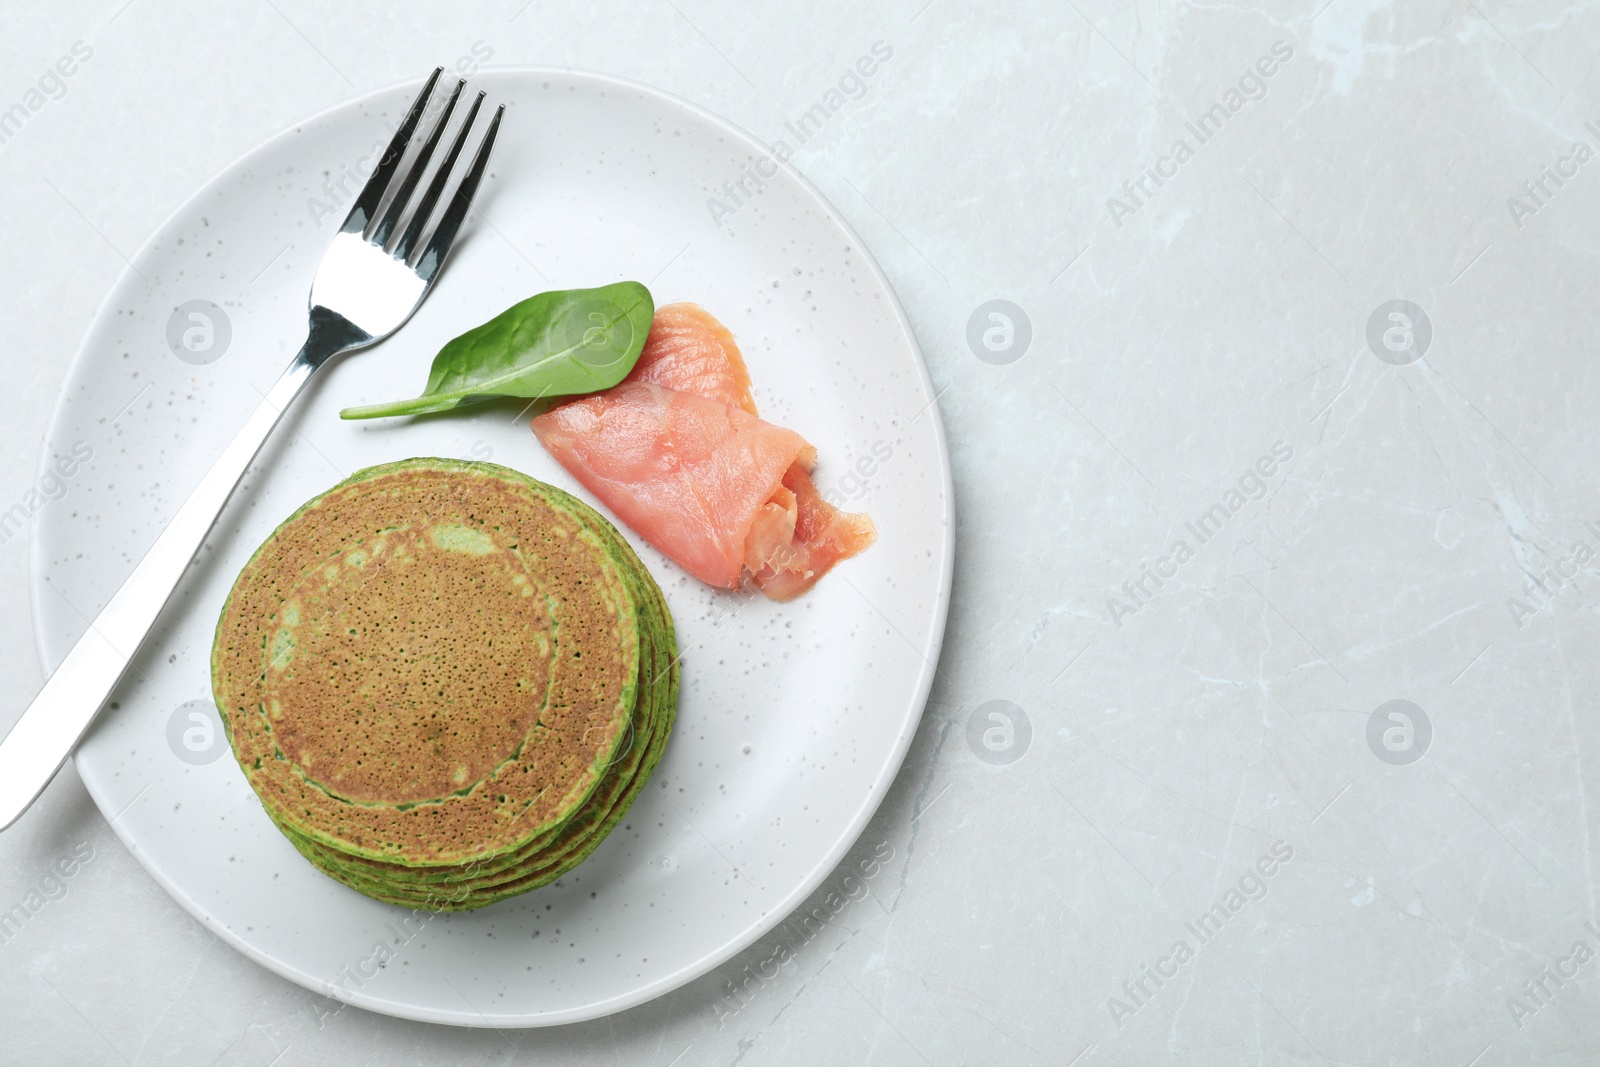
<point>1287,416</point>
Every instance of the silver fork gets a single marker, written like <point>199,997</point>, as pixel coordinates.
<point>368,284</point>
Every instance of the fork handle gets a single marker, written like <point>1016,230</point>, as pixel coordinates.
<point>48,731</point>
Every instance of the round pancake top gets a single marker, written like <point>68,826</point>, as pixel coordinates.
<point>432,659</point>
<point>411,665</point>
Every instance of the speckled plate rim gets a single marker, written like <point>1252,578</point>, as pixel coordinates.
<point>874,798</point>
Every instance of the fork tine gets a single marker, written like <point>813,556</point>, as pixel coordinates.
<point>397,206</point>
<point>419,217</point>
<point>444,236</point>
<point>366,204</point>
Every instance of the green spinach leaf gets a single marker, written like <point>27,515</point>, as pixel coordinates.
<point>553,344</point>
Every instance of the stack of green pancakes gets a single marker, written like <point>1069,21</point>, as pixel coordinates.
<point>446,681</point>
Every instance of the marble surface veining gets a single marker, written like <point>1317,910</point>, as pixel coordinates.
<point>1265,729</point>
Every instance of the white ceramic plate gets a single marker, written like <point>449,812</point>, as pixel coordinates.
<point>794,717</point>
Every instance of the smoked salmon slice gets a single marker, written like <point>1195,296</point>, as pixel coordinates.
<point>687,473</point>
<point>692,352</point>
<point>678,453</point>
<point>787,556</point>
